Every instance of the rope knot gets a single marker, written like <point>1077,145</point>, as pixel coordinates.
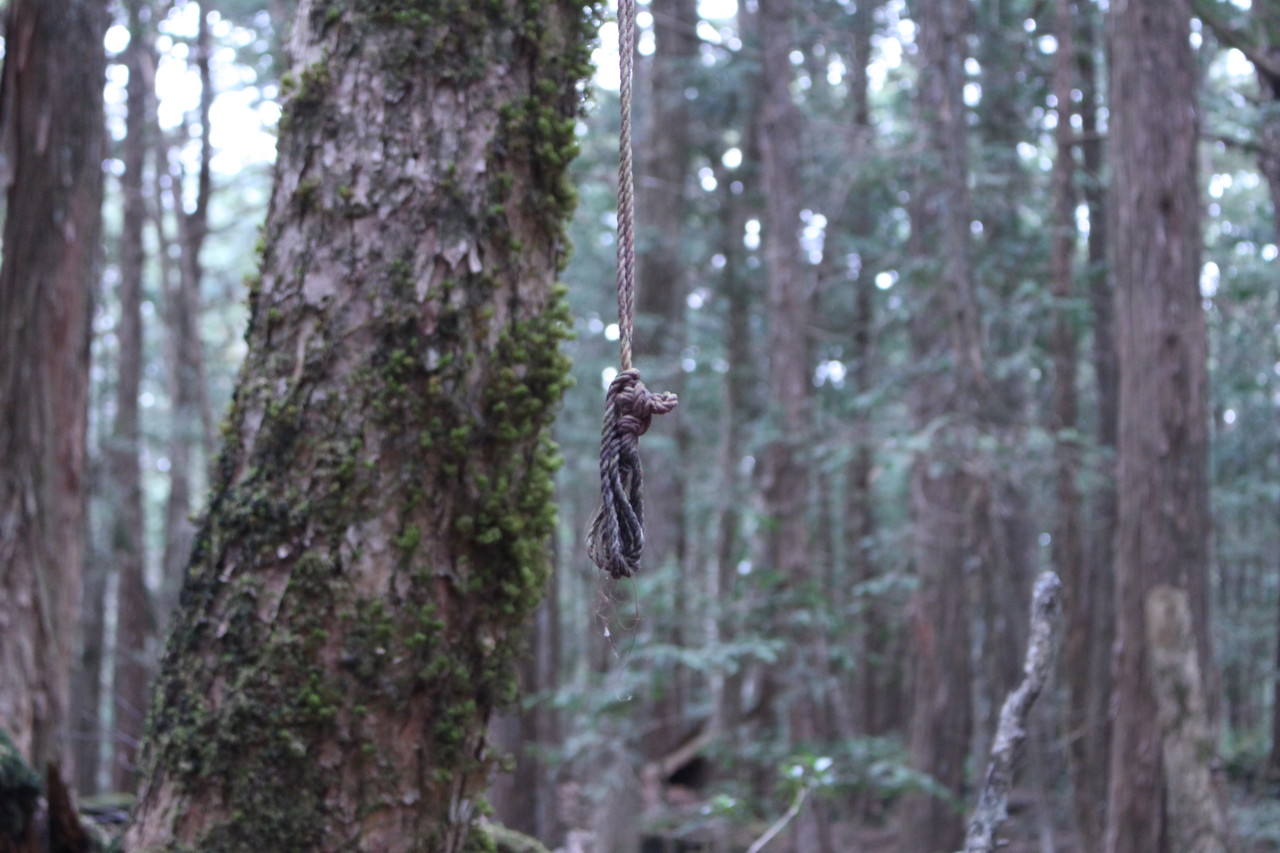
<point>616,537</point>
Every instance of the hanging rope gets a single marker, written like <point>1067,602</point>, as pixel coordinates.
<point>616,537</point>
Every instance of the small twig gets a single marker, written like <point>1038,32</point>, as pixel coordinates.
<point>781,822</point>
<point>1243,144</point>
<point>993,801</point>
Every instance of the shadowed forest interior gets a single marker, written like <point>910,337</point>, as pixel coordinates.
<point>952,292</point>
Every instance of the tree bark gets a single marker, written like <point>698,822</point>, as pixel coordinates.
<point>1090,613</point>
<point>86,725</point>
<point>873,690</point>
<point>524,799</point>
<point>664,155</point>
<point>134,619</point>
<point>789,298</point>
<point>53,139</point>
<point>1003,528</point>
<point>1163,515</point>
<point>1085,698</point>
<point>943,332</point>
<point>787,478</point>
<point>1197,819</point>
<point>740,406</point>
<point>191,431</point>
<point>377,531</point>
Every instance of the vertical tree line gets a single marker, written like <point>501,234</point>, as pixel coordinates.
<point>952,292</point>
<point>53,139</point>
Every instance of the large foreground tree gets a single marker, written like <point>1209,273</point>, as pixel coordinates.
<point>53,139</point>
<point>1162,534</point>
<point>377,529</point>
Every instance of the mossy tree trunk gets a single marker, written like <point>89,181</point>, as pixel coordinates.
<point>53,139</point>
<point>377,529</point>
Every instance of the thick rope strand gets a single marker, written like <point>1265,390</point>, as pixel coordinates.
<point>626,184</point>
<point>616,538</point>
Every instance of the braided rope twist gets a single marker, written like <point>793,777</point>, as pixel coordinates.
<point>616,537</point>
<point>626,184</point>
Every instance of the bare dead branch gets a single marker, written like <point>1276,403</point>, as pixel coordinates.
<point>993,801</point>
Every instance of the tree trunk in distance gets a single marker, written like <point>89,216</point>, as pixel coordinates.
<point>1197,819</point>
<point>377,531</point>
<point>740,406</point>
<point>664,157</point>
<point>787,477</point>
<point>1273,757</point>
<point>193,229</point>
<point>941,333</point>
<point>134,619</point>
<point>1162,532</point>
<point>87,722</point>
<point>664,154</point>
<point>191,426</point>
<point>86,682</point>
<point>789,299</point>
<point>1090,611</point>
<point>524,799</point>
<point>873,688</point>
<point>1267,20</point>
<point>1068,546</point>
<point>1003,532</point>
<point>53,139</point>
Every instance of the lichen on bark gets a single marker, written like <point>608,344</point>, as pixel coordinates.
<point>379,521</point>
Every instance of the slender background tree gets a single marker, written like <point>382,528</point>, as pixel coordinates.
<point>53,138</point>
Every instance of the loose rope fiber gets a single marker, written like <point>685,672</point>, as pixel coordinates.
<point>616,538</point>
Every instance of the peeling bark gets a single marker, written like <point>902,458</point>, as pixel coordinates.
<point>1197,818</point>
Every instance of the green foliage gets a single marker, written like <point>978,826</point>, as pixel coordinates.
<point>704,614</point>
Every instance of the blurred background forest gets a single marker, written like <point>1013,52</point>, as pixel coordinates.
<point>766,651</point>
